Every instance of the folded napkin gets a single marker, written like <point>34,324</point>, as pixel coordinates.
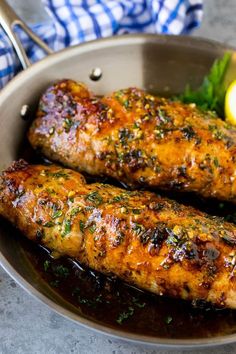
<point>77,21</point>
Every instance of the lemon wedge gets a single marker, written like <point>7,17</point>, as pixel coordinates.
<point>230,103</point>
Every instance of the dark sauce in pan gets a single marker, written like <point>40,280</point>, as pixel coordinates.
<point>111,302</point>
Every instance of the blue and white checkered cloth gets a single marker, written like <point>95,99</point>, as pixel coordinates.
<point>77,21</point>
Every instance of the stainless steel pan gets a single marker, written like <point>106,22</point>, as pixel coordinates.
<point>158,63</point>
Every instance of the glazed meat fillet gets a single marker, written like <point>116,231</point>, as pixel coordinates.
<point>151,242</point>
<point>138,139</point>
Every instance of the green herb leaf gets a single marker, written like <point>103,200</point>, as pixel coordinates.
<point>46,265</point>
<point>92,228</point>
<point>95,198</point>
<point>216,162</point>
<point>211,94</point>
<point>57,214</point>
<point>50,190</point>
<point>168,319</point>
<point>67,228</point>
<point>76,211</point>
<point>118,198</point>
<point>136,211</point>
<point>126,103</point>
<point>57,174</point>
<point>138,228</point>
<point>163,116</point>
<point>81,225</point>
<point>125,315</point>
<point>48,224</point>
<point>61,271</point>
<point>138,303</point>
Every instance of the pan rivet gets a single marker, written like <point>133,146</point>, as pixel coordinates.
<point>96,74</point>
<point>24,112</point>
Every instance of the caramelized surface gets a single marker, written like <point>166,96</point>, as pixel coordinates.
<point>137,138</point>
<point>149,241</point>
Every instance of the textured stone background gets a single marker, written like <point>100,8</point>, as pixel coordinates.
<point>29,327</point>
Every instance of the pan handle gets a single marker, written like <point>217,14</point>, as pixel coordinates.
<point>8,20</point>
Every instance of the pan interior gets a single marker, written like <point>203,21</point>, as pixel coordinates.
<point>159,64</point>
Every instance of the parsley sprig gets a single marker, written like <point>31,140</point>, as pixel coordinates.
<point>211,94</point>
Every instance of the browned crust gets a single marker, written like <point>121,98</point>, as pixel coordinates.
<point>149,241</point>
<point>137,138</point>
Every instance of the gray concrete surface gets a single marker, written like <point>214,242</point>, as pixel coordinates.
<point>29,327</point>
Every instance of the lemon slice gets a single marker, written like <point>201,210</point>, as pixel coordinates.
<point>230,103</point>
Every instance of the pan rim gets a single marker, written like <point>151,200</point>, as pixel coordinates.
<point>127,39</point>
<point>15,83</point>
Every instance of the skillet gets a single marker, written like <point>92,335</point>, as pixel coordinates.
<point>159,64</point>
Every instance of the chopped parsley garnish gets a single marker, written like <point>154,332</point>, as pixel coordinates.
<point>50,191</point>
<point>162,115</point>
<point>57,174</point>
<point>81,225</point>
<point>89,208</point>
<point>57,214</point>
<point>92,228</point>
<point>95,198</point>
<point>20,193</point>
<point>216,133</point>
<point>48,224</point>
<point>216,162</point>
<point>137,303</point>
<point>126,103</point>
<point>46,265</point>
<point>61,271</point>
<point>125,315</point>
<point>168,319</point>
<point>188,132</point>
<point>119,198</point>
<point>138,228</point>
<point>136,211</point>
<point>75,211</point>
<point>172,238</point>
<point>125,135</point>
<point>67,227</point>
<point>159,133</point>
